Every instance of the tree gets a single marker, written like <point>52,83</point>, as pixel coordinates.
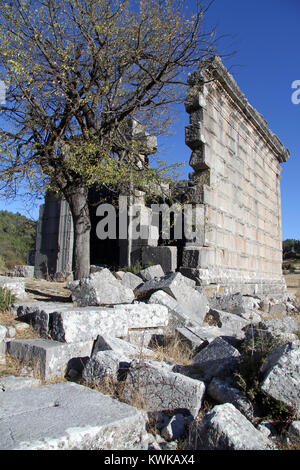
<point>77,73</point>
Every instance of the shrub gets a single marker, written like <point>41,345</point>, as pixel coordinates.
<point>7,298</point>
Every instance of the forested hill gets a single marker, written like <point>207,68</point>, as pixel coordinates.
<point>17,236</point>
<point>291,249</point>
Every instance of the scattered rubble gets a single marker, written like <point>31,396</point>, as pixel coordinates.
<point>107,336</point>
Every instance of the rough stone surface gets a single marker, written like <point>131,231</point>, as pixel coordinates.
<point>180,288</point>
<point>223,392</point>
<point>102,365</point>
<point>152,272</point>
<point>178,315</point>
<point>15,285</point>
<point>294,429</point>
<point>85,324</point>
<point>3,332</point>
<point>226,428</point>
<point>191,339</point>
<point>100,288</point>
<point>218,359</point>
<point>120,347</point>
<point>281,373</point>
<point>24,271</point>
<point>10,383</point>
<point>71,417</point>
<point>53,358</point>
<point>281,326</point>
<point>230,322</point>
<point>131,280</point>
<point>141,315</point>
<point>161,389</point>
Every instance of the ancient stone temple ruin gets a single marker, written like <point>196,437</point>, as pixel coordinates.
<point>236,184</point>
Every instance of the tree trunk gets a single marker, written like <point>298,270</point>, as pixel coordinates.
<point>78,202</point>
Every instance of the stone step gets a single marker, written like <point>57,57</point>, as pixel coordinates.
<point>68,416</point>
<point>52,359</point>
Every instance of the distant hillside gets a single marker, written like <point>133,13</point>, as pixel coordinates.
<point>17,236</point>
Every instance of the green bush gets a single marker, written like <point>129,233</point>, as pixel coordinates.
<point>7,298</point>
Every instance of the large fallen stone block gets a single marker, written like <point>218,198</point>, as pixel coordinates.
<point>100,288</point>
<point>154,386</point>
<point>230,322</point>
<point>104,365</point>
<point>152,272</point>
<point>15,285</point>
<point>121,347</point>
<point>284,328</point>
<point>281,373</point>
<point>68,416</point>
<point>143,337</point>
<point>51,358</point>
<point>235,303</point>
<point>182,290</point>
<point>85,324</point>
<point>178,316</point>
<point>3,331</point>
<point>11,383</point>
<point>38,313</point>
<point>218,359</point>
<point>226,428</point>
<point>131,280</point>
<point>222,392</point>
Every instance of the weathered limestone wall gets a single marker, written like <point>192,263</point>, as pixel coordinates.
<point>237,166</point>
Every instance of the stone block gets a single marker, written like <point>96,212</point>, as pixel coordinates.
<point>11,383</point>
<point>85,324</point>
<point>152,272</point>
<point>218,359</point>
<point>15,285</point>
<point>166,256</point>
<point>178,316</point>
<point>222,392</point>
<point>100,288</point>
<point>131,280</point>
<point>226,428</point>
<point>3,332</point>
<point>52,358</point>
<point>104,365</point>
<point>179,287</point>
<point>232,323</point>
<point>281,375</point>
<point>158,388</point>
<point>23,271</point>
<point>141,315</point>
<point>68,416</point>
<point>120,347</point>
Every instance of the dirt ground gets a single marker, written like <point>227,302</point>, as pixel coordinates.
<point>39,289</point>
<point>293,284</point>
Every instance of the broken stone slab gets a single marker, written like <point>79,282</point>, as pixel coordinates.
<point>143,337</point>
<point>23,271</point>
<point>131,280</point>
<point>218,359</point>
<point>152,272</point>
<point>10,383</point>
<point>191,339</point>
<point>100,288</point>
<point>37,314</point>
<point>231,322</point>
<point>68,416</point>
<point>285,327</point>
<point>294,429</point>
<point>157,388</point>
<point>226,428</point>
<point>85,324</point>
<point>51,358</point>
<point>194,304</point>
<point>141,315</point>
<point>207,333</point>
<point>281,375</point>
<point>235,303</point>
<point>223,392</point>
<point>178,316</point>
<point>123,348</point>
<point>104,365</point>
<point>15,285</point>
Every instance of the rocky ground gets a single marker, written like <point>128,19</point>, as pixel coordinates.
<point>119,361</point>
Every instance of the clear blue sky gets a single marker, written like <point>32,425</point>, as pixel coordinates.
<point>265,35</point>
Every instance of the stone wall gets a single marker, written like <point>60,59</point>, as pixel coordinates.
<point>236,159</point>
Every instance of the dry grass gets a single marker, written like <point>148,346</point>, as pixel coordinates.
<point>40,289</point>
<point>174,350</point>
<point>8,319</point>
